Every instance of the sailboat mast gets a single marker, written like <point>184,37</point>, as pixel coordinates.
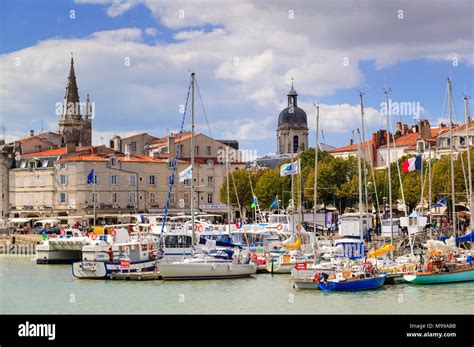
<point>452,155</point>
<point>359,170</point>
<point>389,170</point>
<point>292,185</point>
<point>192,160</point>
<point>228,189</point>
<point>468,147</point>
<point>429,183</point>
<point>316,150</point>
<point>365,162</point>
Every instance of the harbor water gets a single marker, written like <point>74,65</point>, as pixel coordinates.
<point>27,288</point>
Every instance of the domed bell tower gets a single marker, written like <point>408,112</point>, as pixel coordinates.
<point>292,131</point>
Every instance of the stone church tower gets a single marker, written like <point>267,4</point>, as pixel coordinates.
<point>72,126</point>
<point>292,131</point>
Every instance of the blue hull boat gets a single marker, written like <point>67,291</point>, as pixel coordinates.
<point>353,285</point>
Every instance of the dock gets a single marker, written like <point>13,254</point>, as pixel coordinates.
<point>136,276</point>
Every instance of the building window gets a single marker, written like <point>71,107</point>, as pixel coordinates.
<point>208,150</point>
<point>152,198</point>
<point>186,198</point>
<point>209,198</point>
<point>32,180</point>
<point>132,197</point>
<point>133,180</point>
<point>44,163</point>
<point>196,150</point>
<point>62,198</point>
<point>23,164</point>
<point>113,161</point>
<point>172,198</point>
<point>151,179</point>
<point>42,181</point>
<point>134,146</point>
<point>295,144</point>
<point>32,199</point>
<point>63,166</point>
<point>210,163</point>
<point>115,198</point>
<point>32,164</point>
<point>210,181</point>
<point>96,179</point>
<point>114,179</point>
<point>94,197</point>
<point>63,180</point>
<point>462,141</point>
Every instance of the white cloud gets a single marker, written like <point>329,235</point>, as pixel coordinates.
<point>244,63</point>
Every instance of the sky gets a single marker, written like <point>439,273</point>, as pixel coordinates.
<point>134,58</point>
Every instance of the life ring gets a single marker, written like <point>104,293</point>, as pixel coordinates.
<point>279,227</point>
<point>254,257</point>
<point>113,232</point>
<point>61,231</point>
<point>267,254</point>
<point>316,277</point>
<point>198,228</point>
<point>151,255</point>
<point>93,236</point>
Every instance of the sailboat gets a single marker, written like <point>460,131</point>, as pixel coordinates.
<point>441,269</point>
<point>210,264</point>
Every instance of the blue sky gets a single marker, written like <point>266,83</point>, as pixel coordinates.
<point>413,55</point>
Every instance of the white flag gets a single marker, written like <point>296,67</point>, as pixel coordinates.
<point>186,174</point>
<point>290,168</point>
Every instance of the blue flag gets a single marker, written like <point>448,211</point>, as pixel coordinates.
<point>440,203</point>
<point>90,177</point>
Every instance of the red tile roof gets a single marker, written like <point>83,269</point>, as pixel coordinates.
<point>83,157</point>
<point>55,152</point>
<point>350,148</point>
<point>140,159</point>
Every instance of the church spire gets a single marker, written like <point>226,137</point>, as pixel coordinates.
<point>71,99</point>
<point>292,96</point>
<point>88,110</point>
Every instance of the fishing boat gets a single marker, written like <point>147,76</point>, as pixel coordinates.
<point>355,281</point>
<point>443,272</point>
<point>125,256</point>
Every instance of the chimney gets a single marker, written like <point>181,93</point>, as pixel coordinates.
<point>128,149</point>
<point>425,129</point>
<point>404,129</point>
<point>414,128</point>
<point>442,125</point>
<point>70,147</point>
<point>32,133</point>
<point>172,145</point>
<point>399,129</point>
<point>351,142</point>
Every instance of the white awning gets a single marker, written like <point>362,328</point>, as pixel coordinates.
<point>19,220</point>
<point>47,221</point>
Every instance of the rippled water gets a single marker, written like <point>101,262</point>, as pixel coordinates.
<point>29,288</point>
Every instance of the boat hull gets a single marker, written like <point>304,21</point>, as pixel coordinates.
<point>204,271</point>
<point>354,285</point>
<point>57,256</point>
<point>101,269</point>
<point>447,277</point>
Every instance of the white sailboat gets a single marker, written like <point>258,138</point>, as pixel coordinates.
<point>205,265</point>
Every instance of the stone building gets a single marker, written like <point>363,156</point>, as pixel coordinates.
<point>292,131</point>
<point>73,127</point>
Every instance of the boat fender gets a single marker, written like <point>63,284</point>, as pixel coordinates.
<point>254,257</point>
<point>316,277</point>
<point>279,227</point>
<point>62,232</point>
<point>113,232</point>
<point>151,255</point>
<point>198,228</point>
<point>267,254</point>
<point>93,236</point>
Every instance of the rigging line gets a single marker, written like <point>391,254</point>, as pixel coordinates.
<point>240,211</point>
<point>175,164</point>
<point>203,109</point>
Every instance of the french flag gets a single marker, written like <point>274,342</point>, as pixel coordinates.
<point>412,164</point>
